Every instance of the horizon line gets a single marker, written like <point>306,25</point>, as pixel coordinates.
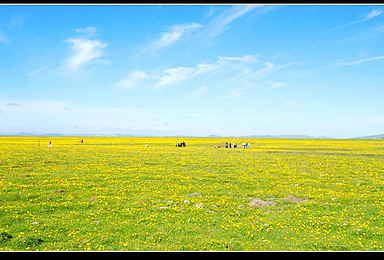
<point>267,136</point>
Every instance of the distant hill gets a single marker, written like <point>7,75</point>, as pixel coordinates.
<point>274,137</point>
<point>370,137</point>
<point>287,137</point>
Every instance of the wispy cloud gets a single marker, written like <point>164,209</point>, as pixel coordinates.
<point>198,91</point>
<point>218,24</point>
<point>245,90</point>
<point>3,37</point>
<point>221,23</point>
<point>85,51</point>
<point>173,35</point>
<point>275,84</point>
<point>374,13</point>
<point>358,62</point>
<point>210,12</point>
<point>251,58</point>
<point>268,66</point>
<point>132,80</point>
<point>90,31</point>
<point>173,75</point>
<point>38,71</point>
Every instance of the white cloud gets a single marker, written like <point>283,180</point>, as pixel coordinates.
<point>91,31</point>
<point>198,91</point>
<point>268,66</point>
<point>221,23</point>
<point>38,71</point>
<point>85,51</point>
<point>132,80</point>
<point>173,75</point>
<point>3,37</point>
<point>173,35</point>
<point>244,91</point>
<point>210,11</point>
<point>358,62</point>
<point>275,84</point>
<point>374,13</point>
<point>251,58</point>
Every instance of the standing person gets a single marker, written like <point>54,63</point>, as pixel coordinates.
<point>50,143</point>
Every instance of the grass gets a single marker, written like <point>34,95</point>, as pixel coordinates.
<point>117,194</point>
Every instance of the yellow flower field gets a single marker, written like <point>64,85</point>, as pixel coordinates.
<point>118,194</point>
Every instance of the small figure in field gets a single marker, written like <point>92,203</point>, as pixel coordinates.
<point>50,143</point>
<point>182,144</point>
<point>81,141</point>
<point>146,145</point>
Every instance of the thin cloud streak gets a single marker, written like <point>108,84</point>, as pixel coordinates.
<point>221,23</point>
<point>358,62</point>
<point>173,35</point>
<point>173,75</point>
<point>197,92</point>
<point>374,13</point>
<point>132,80</point>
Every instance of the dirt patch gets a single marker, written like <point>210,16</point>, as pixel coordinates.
<point>260,203</point>
<point>295,199</point>
<point>198,194</point>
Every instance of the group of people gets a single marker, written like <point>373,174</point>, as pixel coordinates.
<point>234,145</point>
<point>182,144</point>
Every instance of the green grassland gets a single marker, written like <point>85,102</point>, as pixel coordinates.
<point>117,194</point>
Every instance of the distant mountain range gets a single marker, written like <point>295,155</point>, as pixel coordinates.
<point>370,137</point>
<point>211,136</point>
<point>287,137</point>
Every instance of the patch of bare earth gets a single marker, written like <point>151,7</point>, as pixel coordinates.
<point>261,203</point>
<point>295,199</point>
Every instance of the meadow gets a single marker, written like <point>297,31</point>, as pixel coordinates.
<point>117,194</point>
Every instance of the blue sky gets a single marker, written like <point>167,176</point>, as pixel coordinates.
<point>194,70</point>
